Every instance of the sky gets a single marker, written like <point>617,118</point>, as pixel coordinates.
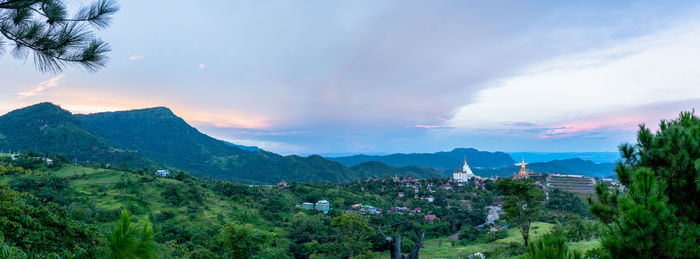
<point>304,77</point>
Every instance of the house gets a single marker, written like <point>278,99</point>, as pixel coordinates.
<point>400,195</point>
<point>282,184</point>
<point>49,161</point>
<point>162,173</point>
<point>430,199</point>
<point>430,218</point>
<point>357,206</point>
<point>416,210</point>
<point>14,157</point>
<point>323,205</point>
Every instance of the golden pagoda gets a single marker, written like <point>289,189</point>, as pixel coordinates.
<point>523,173</point>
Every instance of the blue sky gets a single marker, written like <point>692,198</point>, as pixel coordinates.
<point>390,76</point>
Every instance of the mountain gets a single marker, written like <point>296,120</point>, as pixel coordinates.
<point>440,160</point>
<point>48,128</point>
<point>244,147</point>
<point>596,157</point>
<point>564,166</point>
<point>155,137</point>
<point>368,169</point>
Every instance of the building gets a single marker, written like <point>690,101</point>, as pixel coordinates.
<point>323,205</point>
<point>307,205</point>
<point>282,184</point>
<point>571,183</point>
<point>430,218</point>
<point>162,173</point>
<point>463,174</point>
<point>49,161</point>
<point>523,173</point>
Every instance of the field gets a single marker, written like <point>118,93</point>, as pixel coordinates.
<point>448,248</point>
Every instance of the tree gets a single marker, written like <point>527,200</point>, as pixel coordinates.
<point>550,247</point>
<point>355,230</point>
<point>28,226</point>
<point>44,28</point>
<point>656,212</point>
<point>126,242</point>
<point>243,241</point>
<point>523,203</point>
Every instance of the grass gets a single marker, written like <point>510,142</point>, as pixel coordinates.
<point>443,247</point>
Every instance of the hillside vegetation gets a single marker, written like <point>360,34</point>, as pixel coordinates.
<point>155,137</point>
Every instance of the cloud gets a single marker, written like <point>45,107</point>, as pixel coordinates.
<point>42,88</point>
<point>576,93</point>
<point>135,57</point>
<point>201,66</point>
<point>431,126</point>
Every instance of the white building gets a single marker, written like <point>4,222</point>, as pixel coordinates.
<point>323,205</point>
<point>162,173</point>
<point>463,174</point>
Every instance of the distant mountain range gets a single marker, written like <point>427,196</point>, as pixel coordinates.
<point>156,137</point>
<point>564,166</point>
<point>596,157</point>
<point>439,160</point>
<point>490,163</point>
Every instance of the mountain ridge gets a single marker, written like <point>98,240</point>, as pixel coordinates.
<point>156,137</point>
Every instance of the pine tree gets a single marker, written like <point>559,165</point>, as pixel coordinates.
<point>56,40</point>
<point>655,214</point>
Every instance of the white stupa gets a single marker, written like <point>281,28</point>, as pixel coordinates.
<point>463,174</point>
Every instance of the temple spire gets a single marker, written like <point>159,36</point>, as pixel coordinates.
<point>522,165</point>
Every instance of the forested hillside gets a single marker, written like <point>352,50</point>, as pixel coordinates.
<point>156,137</point>
<point>49,128</point>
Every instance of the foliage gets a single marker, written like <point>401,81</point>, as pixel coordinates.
<point>56,39</point>
<point>355,231</point>
<point>126,242</point>
<point>471,233</point>
<point>523,203</point>
<point>41,229</point>
<point>550,247</point>
<point>243,240</point>
<point>656,214</point>
<point>566,202</point>
<point>575,229</point>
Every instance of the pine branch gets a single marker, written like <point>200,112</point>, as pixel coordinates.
<point>56,42</point>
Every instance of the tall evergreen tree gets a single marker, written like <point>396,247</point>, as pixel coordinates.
<point>523,203</point>
<point>56,40</point>
<point>655,214</point>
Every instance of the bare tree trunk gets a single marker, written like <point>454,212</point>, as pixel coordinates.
<point>416,248</point>
<point>395,247</point>
<point>396,250</point>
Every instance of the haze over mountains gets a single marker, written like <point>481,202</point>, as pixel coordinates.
<point>155,137</point>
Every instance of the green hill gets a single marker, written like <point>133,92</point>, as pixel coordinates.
<point>157,137</point>
<point>46,127</point>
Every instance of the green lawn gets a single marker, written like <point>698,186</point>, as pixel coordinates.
<point>443,247</point>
